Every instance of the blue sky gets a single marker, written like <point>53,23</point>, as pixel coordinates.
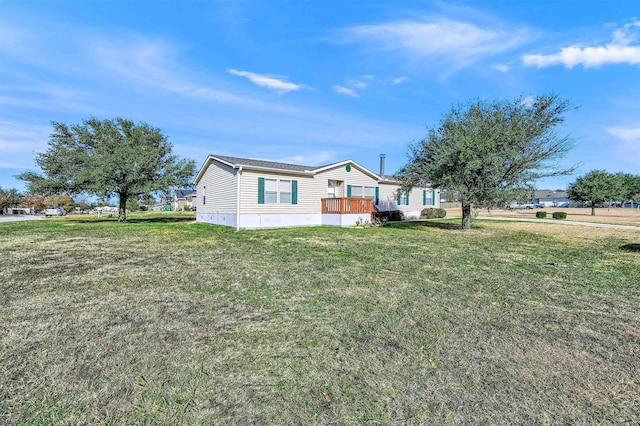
<point>313,82</point>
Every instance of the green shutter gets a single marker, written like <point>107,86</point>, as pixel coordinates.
<point>406,198</point>
<point>377,197</point>
<point>424,197</point>
<point>348,190</point>
<point>399,199</point>
<point>260,190</point>
<point>433,198</point>
<point>294,192</point>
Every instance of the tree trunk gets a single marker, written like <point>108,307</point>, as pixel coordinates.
<point>593,208</point>
<point>122,209</point>
<point>466,216</point>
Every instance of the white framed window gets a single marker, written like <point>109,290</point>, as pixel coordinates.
<point>285,191</point>
<point>369,192</point>
<point>331,188</point>
<point>358,191</point>
<point>270,191</point>
<point>277,191</point>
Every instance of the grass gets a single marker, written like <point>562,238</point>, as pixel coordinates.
<point>166,321</point>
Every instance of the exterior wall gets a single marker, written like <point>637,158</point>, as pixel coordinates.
<point>307,201</point>
<point>389,200</point>
<point>221,189</point>
<point>340,173</point>
<point>217,218</point>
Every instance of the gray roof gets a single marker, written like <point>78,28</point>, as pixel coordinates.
<point>183,193</point>
<point>548,193</point>
<point>237,161</point>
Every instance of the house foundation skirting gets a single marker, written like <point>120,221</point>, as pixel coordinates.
<point>225,219</point>
<point>344,219</point>
<point>258,221</point>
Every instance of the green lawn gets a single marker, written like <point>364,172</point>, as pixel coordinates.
<point>164,321</point>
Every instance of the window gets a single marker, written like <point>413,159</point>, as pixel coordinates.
<point>270,191</point>
<point>428,197</point>
<point>369,192</point>
<point>357,191</point>
<point>204,195</point>
<point>285,192</point>
<point>331,188</point>
<point>403,199</point>
<point>274,191</point>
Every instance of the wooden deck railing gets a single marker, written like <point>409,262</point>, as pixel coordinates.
<point>349,206</point>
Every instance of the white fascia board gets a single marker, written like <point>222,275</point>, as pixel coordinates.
<point>203,169</point>
<point>345,162</point>
<point>278,171</point>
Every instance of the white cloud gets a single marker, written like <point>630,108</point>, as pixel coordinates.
<point>500,67</point>
<point>399,80</point>
<point>629,146</point>
<point>345,91</point>
<point>18,141</point>
<point>460,43</point>
<point>619,51</point>
<point>153,64</point>
<point>278,85</point>
<point>528,101</point>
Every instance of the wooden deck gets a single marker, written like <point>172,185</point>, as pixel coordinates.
<point>349,205</point>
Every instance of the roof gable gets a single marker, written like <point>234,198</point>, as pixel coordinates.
<point>344,163</point>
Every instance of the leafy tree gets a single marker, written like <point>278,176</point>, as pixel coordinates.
<point>630,187</point>
<point>65,201</point>
<point>35,202</point>
<point>490,152</point>
<point>596,187</point>
<point>109,158</point>
<point>10,198</point>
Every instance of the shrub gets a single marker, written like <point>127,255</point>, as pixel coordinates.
<point>559,215</point>
<point>541,214</point>
<point>432,213</point>
<point>390,216</point>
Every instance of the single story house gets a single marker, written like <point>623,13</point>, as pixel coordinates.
<point>250,194</point>
<point>549,198</point>
<point>183,199</point>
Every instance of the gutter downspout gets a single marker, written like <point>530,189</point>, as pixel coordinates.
<point>238,199</point>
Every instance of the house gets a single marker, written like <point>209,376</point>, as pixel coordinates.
<point>549,198</point>
<point>249,194</point>
<point>183,199</point>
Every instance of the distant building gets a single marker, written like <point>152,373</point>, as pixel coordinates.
<point>550,198</point>
<point>183,199</point>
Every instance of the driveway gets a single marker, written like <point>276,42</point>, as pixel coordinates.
<point>18,217</point>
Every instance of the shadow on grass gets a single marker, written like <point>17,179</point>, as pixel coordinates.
<point>156,219</point>
<point>631,247</point>
<point>425,224</point>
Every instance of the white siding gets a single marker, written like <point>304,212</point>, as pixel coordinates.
<point>307,203</point>
<point>389,200</point>
<point>221,183</point>
<point>340,174</point>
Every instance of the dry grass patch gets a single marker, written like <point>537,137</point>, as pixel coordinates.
<point>171,322</point>
<point>616,216</point>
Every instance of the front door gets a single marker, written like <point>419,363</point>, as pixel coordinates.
<point>333,189</point>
